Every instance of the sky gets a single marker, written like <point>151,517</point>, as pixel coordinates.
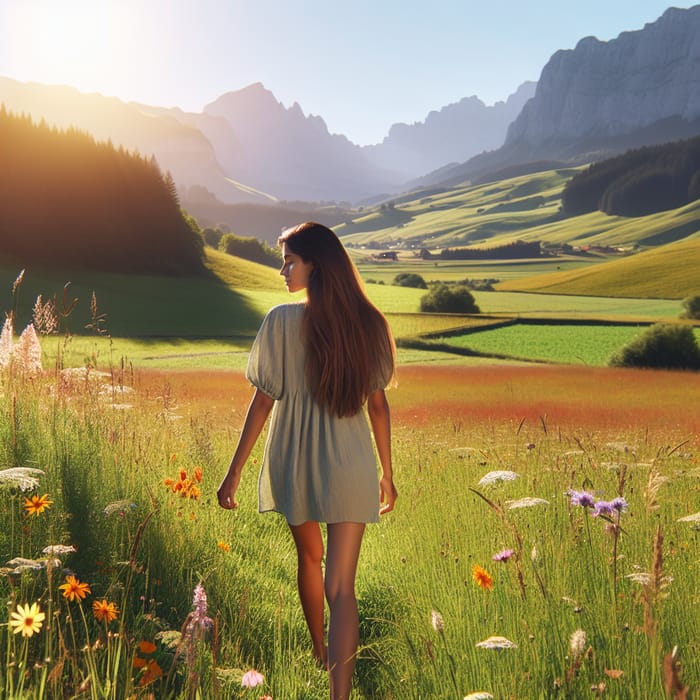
<point>362,65</point>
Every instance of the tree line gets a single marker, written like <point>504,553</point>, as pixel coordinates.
<point>67,199</point>
<point>639,182</point>
<point>509,251</point>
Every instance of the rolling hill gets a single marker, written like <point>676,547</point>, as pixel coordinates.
<point>523,208</point>
<point>668,272</point>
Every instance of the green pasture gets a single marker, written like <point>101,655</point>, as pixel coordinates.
<point>571,344</point>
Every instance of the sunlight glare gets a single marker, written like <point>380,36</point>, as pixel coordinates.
<point>75,42</point>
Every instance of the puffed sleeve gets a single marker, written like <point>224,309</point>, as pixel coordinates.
<point>383,371</point>
<point>265,368</point>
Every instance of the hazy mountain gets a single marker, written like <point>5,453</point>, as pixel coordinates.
<point>179,148</point>
<point>603,97</point>
<point>281,150</point>
<point>451,135</point>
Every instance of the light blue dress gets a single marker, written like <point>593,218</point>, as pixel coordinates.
<point>315,466</point>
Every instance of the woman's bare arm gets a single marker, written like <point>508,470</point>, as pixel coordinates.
<point>258,411</point>
<point>380,419</point>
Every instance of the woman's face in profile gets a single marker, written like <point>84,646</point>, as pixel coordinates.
<point>294,270</point>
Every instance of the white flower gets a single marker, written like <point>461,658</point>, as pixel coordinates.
<point>577,643</point>
<point>497,643</point>
<point>496,476</point>
<point>23,478</point>
<point>479,695</point>
<point>527,502</point>
<point>437,621</point>
<point>56,549</point>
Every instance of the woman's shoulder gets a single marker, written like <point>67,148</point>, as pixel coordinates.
<point>292,310</point>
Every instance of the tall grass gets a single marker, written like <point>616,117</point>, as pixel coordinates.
<point>115,463</point>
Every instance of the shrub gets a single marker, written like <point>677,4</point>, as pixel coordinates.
<point>409,279</point>
<point>692,307</point>
<point>449,299</point>
<point>250,248</point>
<point>663,346</point>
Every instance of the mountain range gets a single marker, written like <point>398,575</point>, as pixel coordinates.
<point>589,102</point>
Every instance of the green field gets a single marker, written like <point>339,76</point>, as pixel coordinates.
<point>572,344</point>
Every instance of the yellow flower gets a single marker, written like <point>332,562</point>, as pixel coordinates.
<point>224,546</point>
<point>104,611</point>
<point>27,619</point>
<point>37,504</point>
<point>482,577</point>
<point>74,589</point>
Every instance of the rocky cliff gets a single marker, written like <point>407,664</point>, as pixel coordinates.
<point>602,90</point>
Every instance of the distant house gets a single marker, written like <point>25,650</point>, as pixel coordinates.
<point>387,255</point>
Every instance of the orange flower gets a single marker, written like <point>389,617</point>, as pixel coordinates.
<point>37,504</point>
<point>197,474</point>
<point>104,611</point>
<point>183,475</point>
<point>152,673</point>
<point>74,589</point>
<point>146,647</point>
<point>482,577</point>
<point>223,546</point>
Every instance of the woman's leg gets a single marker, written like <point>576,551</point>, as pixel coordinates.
<point>344,542</point>
<point>309,544</point>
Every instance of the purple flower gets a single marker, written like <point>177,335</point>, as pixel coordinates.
<point>199,619</point>
<point>503,555</point>
<point>619,504</point>
<point>581,498</point>
<point>602,508</point>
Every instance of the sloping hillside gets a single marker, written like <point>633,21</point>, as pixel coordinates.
<point>525,208</point>
<point>669,272</point>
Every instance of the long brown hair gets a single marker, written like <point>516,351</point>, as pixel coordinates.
<point>349,348</point>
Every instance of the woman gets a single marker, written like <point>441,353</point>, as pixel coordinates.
<point>315,365</point>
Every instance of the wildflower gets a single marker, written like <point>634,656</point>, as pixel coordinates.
<point>37,504</point>
<point>503,555</point>
<point>581,498</point>
<point>577,644</point>
<point>21,564</point>
<point>526,502</point>
<point>23,478</point>
<point>27,619</point>
<point>437,621</point>
<point>104,611</point>
<point>152,671</point>
<point>197,474</point>
<point>56,549</point>
<point>602,508</point>
<point>479,695</point>
<point>497,643</point>
<point>252,678</point>
<point>120,507</point>
<point>223,546</point>
<point>482,577</point>
<point>496,476</point>
<point>619,504</point>
<point>74,590</point>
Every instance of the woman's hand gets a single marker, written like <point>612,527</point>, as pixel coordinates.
<point>227,490</point>
<point>387,494</point>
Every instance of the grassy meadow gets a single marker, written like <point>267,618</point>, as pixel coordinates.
<point>545,542</point>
